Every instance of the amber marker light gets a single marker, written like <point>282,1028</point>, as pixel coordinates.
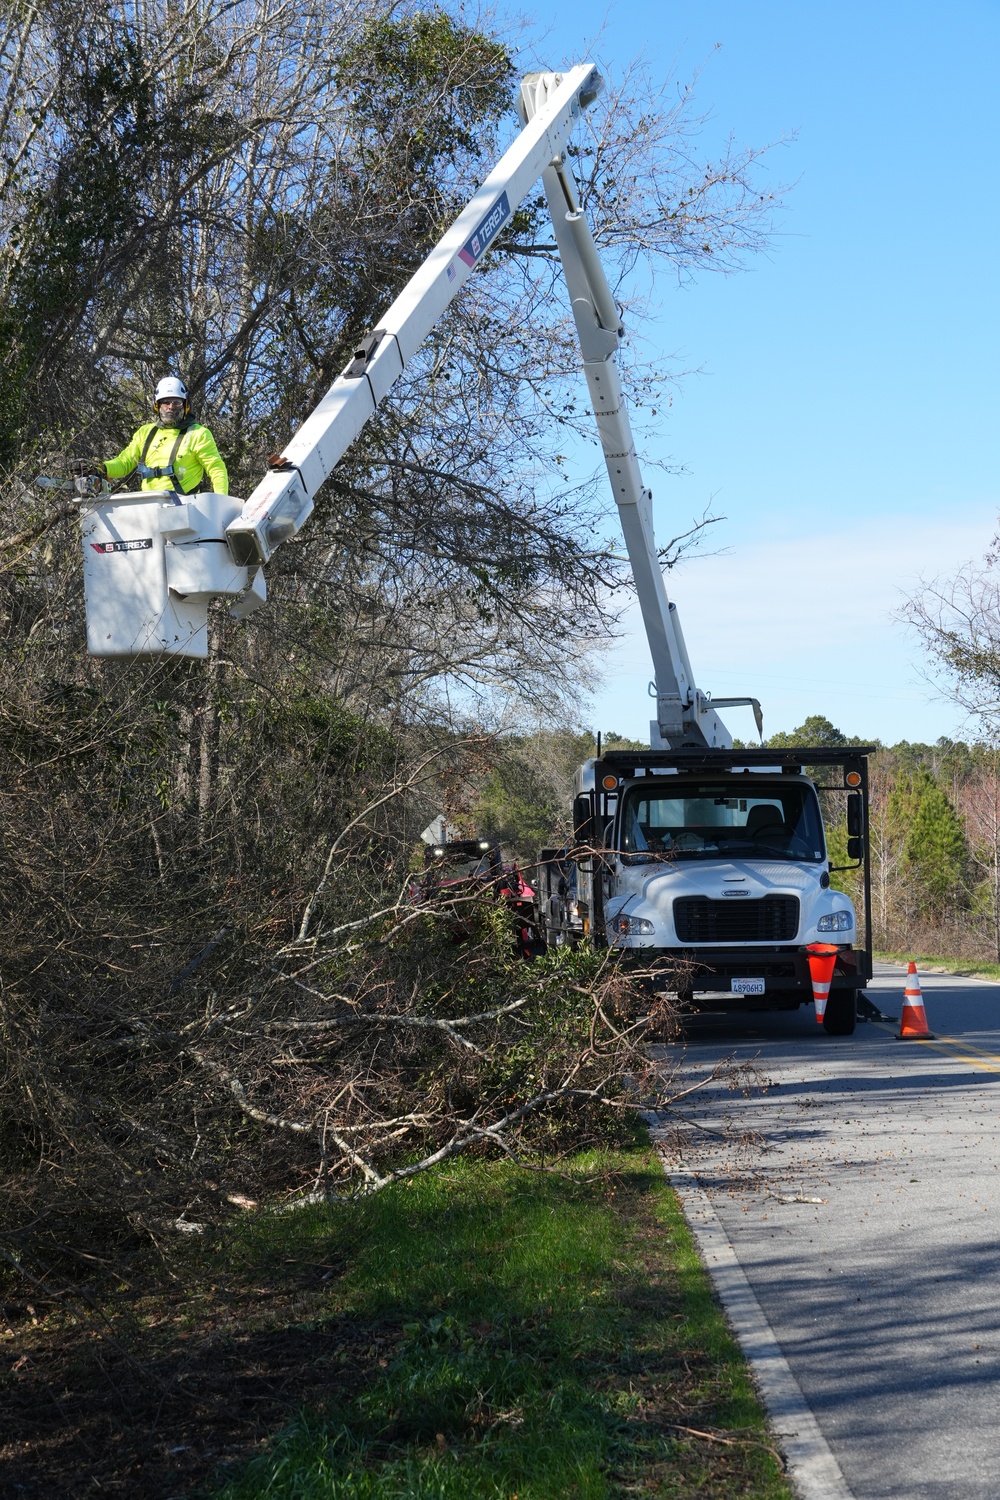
<point>853,778</point>
<point>609,783</point>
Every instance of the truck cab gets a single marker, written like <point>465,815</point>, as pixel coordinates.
<point>717,861</point>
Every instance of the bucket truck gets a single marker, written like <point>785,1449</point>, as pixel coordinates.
<point>689,851</point>
<point>694,852</point>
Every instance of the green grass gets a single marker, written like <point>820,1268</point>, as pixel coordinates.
<point>966,967</point>
<point>536,1336</point>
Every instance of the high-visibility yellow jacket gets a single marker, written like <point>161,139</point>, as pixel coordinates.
<point>196,456</point>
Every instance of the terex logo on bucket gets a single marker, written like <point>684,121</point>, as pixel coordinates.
<point>141,544</point>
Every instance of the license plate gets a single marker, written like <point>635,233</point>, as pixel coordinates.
<point>747,986</point>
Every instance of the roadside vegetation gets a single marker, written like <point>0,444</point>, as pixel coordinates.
<point>935,844</point>
<point>484,1332</point>
<point>945,963</point>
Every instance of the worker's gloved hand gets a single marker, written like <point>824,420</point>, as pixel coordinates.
<point>84,467</point>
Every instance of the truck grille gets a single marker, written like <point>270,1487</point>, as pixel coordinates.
<point>775,919</point>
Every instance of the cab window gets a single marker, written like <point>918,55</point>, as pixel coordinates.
<point>763,822</point>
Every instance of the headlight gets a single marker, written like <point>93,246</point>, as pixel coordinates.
<point>835,921</point>
<point>631,927</point>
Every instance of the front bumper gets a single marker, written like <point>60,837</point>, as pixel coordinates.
<point>784,969</point>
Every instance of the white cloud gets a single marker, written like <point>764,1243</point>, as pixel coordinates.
<point>808,625</point>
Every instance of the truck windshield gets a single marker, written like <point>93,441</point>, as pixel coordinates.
<point>468,867</point>
<point>775,821</point>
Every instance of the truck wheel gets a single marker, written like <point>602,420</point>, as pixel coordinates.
<point>841,1013</point>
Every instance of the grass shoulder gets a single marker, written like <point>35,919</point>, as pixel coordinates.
<point>486,1331</point>
<point>528,1334</point>
<point>936,963</point>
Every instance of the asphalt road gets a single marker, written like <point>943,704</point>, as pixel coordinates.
<point>884,1294</point>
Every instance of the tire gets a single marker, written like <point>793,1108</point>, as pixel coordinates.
<point>841,1013</point>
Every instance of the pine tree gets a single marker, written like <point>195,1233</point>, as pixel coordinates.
<point>935,851</point>
<point>816,730</point>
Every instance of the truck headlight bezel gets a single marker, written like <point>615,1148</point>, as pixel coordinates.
<point>626,926</point>
<point>835,921</point>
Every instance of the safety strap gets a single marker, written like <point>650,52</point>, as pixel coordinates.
<point>142,468</point>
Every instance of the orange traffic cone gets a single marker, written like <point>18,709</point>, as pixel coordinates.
<point>822,959</point>
<point>913,1026</point>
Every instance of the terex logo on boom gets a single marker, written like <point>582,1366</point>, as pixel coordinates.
<point>486,231</point>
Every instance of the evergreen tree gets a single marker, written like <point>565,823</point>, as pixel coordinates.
<point>935,851</point>
<point>815,730</point>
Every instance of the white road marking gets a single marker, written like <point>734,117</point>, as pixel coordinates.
<point>812,1469</point>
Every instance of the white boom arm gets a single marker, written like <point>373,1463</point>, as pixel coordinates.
<point>152,564</point>
<point>684,716</point>
<point>283,501</point>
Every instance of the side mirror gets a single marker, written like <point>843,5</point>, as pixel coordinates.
<point>583,819</point>
<point>855,848</point>
<point>855,816</point>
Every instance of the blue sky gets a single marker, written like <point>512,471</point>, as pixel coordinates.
<point>844,416</point>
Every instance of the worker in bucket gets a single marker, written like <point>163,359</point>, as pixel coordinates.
<point>173,453</point>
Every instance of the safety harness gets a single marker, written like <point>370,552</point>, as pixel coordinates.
<point>167,472</point>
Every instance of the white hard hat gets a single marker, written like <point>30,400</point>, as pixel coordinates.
<point>169,387</point>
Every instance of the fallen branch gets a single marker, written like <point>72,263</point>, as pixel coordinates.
<point>394,791</point>
<point>730,1442</point>
<point>197,961</point>
<point>375,1018</point>
<point>235,1087</point>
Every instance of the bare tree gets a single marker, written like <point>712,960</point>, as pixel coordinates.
<point>978,801</point>
<point>888,852</point>
<point>958,622</point>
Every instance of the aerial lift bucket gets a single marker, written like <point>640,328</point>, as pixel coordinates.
<point>152,566</point>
